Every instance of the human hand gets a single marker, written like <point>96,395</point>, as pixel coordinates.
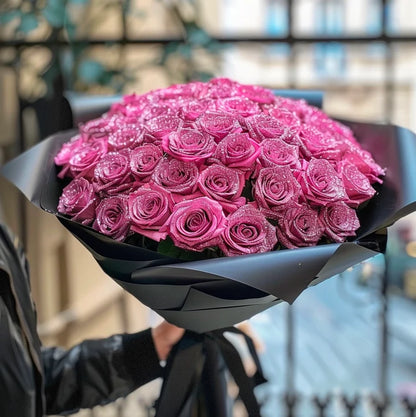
<point>165,336</point>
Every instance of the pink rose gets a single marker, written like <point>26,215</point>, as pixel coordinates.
<point>300,226</point>
<point>339,221</point>
<point>328,125</point>
<point>255,93</point>
<point>65,154</point>
<point>154,110</point>
<point>132,105</point>
<point>292,137</point>
<point>189,145</point>
<point>285,116</point>
<point>85,158</point>
<point>112,217</point>
<point>149,208</point>
<point>126,137</point>
<point>237,151</point>
<point>320,183</point>
<point>143,161</point>
<point>277,152</point>
<point>78,201</point>
<point>224,185</point>
<point>163,125</point>
<point>192,110</point>
<point>262,126</point>
<point>219,124</point>
<point>275,189</point>
<point>247,232</point>
<point>176,176</point>
<point>112,174</point>
<point>97,127</point>
<point>322,145</point>
<point>221,88</point>
<point>356,184</point>
<point>365,164</point>
<point>181,91</point>
<point>196,224</point>
<point>241,106</point>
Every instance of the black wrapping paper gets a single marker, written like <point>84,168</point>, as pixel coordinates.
<point>216,293</point>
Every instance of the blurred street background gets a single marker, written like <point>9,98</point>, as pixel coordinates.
<point>346,347</point>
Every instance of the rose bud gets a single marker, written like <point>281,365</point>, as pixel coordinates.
<point>162,125</point>
<point>285,116</point>
<point>221,88</point>
<point>224,185</point>
<point>65,154</point>
<point>126,137</point>
<point>241,106</point>
<point>143,161</point>
<point>262,126</point>
<point>275,188</point>
<point>196,224</point>
<point>112,174</point>
<point>149,208</point>
<point>219,124</point>
<point>300,226</point>
<point>189,145</point>
<point>320,183</point>
<point>356,184</point>
<point>247,232</point>
<point>339,221</point>
<point>112,217</point>
<point>365,163</point>
<point>176,176</point>
<point>193,109</point>
<point>85,158</point>
<point>256,93</point>
<point>78,201</point>
<point>237,151</point>
<point>277,152</point>
<point>322,145</point>
<point>96,127</point>
<point>153,110</point>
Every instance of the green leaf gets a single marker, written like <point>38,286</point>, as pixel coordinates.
<point>54,13</point>
<point>248,190</point>
<point>8,16</point>
<point>167,247</point>
<point>28,22</point>
<point>90,71</point>
<point>79,1</point>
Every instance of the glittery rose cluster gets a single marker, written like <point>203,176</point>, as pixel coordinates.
<point>217,165</point>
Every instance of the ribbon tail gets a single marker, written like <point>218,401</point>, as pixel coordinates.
<point>258,377</point>
<point>243,381</point>
<point>182,375</point>
<point>213,386</point>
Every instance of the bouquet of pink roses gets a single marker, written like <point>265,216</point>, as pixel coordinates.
<point>219,167</point>
<point>165,184</point>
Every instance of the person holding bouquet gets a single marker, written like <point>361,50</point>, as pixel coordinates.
<point>36,380</point>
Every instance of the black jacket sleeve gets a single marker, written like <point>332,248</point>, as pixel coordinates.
<point>96,372</point>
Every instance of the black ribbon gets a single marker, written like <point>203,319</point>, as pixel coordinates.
<point>195,376</point>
